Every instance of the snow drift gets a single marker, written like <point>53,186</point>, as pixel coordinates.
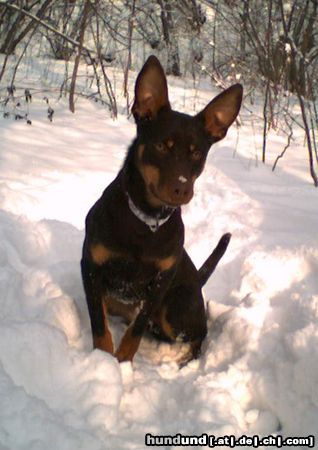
<point>258,371</point>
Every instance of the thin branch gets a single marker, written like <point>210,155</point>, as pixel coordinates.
<point>265,126</point>
<point>289,139</point>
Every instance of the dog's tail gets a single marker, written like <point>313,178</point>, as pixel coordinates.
<point>210,264</point>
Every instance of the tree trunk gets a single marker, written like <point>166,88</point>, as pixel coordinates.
<point>173,63</point>
<point>308,138</point>
<point>78,56</point>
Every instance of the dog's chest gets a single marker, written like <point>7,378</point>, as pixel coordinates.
<point>127,279</point>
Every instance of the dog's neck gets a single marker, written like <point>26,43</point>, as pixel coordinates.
<point>154,223</point>
<point>134,189</point>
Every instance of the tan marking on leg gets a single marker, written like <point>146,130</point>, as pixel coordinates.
<point>160,320</point>
<point>104,342</point>
<point>128,345</point>
<point>165,325</point>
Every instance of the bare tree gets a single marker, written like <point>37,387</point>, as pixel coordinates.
<point>79,54</point>
<point>171,43</point>
<point>273,45</point>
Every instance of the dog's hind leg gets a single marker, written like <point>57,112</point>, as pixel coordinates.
<point>182,315</point>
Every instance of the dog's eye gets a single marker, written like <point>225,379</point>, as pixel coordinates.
<point>161,147</point>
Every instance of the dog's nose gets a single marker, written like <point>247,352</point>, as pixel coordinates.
<point>182,192</point>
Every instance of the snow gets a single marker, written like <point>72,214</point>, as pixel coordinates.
<point>258,371</point>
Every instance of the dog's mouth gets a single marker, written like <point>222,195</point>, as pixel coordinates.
<point>164,201</point>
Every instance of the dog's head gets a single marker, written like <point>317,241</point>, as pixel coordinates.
<point>172,147</point>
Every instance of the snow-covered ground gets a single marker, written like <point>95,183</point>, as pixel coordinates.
<point>259,370</point>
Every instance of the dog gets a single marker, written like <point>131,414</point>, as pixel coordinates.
<point>134,264</point>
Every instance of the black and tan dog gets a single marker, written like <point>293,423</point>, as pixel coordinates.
<point>134,264</point>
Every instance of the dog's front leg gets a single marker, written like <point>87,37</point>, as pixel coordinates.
<point>155,293</point>
<point>102,338</point>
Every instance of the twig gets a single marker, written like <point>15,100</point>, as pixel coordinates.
<point>289,139</point>
<point>107,82</point>
<point>265,122</point>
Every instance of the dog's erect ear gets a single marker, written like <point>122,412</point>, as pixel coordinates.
<point>151,90</point>
<point>221,112</point>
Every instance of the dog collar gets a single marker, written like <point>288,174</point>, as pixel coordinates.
<point>154,223</point>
